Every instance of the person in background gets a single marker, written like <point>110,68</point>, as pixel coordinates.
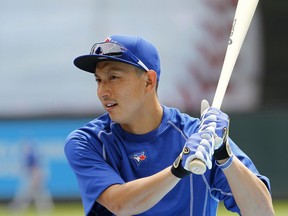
<point>33,188</point>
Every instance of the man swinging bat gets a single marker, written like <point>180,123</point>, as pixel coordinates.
<point>144,158</point>
<point>135,159</point>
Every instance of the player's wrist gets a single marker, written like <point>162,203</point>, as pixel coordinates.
<point>177,169</point>
<point>223,153</point>
<point>219,162</point>
<point>227,163</point>
<point>224,156</point>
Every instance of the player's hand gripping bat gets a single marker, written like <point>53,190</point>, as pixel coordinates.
<point>243,16</point>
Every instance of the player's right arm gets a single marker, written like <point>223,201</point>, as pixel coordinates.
<point>98,181</point>
<point>139,195</point>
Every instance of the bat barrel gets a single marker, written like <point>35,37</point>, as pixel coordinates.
<point>243,16</point>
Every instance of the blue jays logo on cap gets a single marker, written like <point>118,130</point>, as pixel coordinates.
<point>108,39</point>
<point>139,157</point>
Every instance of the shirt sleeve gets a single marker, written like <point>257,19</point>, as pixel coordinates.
<point>220,186</point>
<point>85,156</point>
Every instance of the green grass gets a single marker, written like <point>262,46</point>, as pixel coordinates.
<point>76,209</point>
<point>60,209</point>
<point>280,207</point>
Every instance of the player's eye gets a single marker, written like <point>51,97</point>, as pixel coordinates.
<point>113,77</point>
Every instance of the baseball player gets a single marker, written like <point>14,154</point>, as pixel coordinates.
<point>134,159</point>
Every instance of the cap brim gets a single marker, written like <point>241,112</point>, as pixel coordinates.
<point>88,62</point>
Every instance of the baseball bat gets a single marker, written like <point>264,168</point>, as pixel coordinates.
<point>245,10</point>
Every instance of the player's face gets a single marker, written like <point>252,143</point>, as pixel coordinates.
<point>121,91</point>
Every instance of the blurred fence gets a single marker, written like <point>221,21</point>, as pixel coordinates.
<point>48,137</point>
<point>263,136</point>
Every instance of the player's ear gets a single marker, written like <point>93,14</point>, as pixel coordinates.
<point>151,79</point>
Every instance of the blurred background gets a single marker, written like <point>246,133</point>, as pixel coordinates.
<point>43,96</point>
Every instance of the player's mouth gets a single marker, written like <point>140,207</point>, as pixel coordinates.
<point>110,106</point>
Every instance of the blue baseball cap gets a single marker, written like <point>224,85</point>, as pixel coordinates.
<point>128,49</point>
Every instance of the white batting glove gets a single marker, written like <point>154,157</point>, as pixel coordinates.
<point>202,145</point>
<point>211,135</point>
<point>214,120</point>
<point>199,145</point>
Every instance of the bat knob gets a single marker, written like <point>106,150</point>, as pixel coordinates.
<point>197,167</point>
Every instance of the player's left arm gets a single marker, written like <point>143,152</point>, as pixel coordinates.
<point>250,193</point>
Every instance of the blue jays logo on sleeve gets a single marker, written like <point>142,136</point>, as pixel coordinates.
<point>138,157</point>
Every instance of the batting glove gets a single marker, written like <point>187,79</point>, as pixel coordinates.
<point>214,131</point>
<point>210,141</point>
<point>216,121</point>
<point>199,145</point>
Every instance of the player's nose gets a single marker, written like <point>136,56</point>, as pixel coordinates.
<point>103,90</point>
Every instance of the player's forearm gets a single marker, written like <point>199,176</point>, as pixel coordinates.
<point>250,193</point>
<point>140,195</point>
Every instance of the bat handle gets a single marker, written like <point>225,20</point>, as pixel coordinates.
<point>197,166</point>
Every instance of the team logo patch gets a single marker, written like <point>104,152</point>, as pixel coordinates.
<point>139,157</point>
<point>108,39</point>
